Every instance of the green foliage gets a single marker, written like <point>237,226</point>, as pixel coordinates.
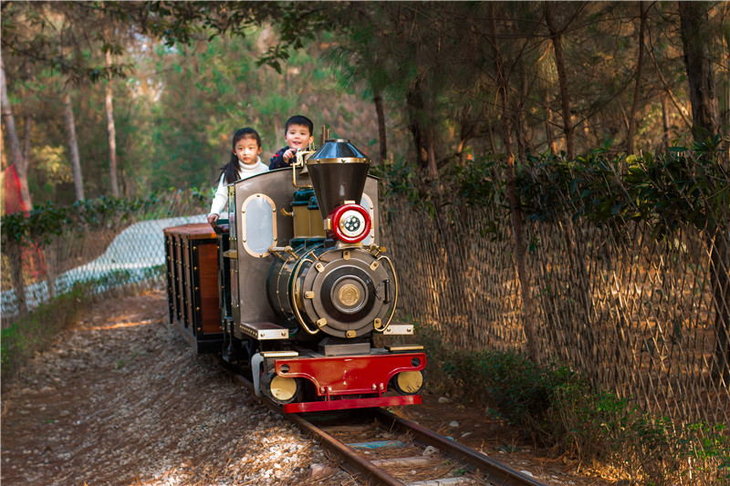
<point>665,190</point>
<point>47,221</point>
<point>519,389</point>
<point>474,182</point>
<point>400,178</point>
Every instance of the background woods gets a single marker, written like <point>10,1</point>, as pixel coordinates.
<point>444,85</point>
<point>568,161</point>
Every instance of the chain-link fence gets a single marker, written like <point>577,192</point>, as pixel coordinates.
<point>111,252</point>
<point>635,312</point>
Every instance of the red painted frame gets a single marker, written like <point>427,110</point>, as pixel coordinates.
<point>339,376</point>
<point>349,403</point>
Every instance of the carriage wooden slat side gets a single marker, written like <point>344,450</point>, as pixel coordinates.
<point>192,277</point>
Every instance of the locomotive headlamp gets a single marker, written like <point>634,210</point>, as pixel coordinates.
<point>279,388</point>
<point>408,382</point>
<point>350,223</point>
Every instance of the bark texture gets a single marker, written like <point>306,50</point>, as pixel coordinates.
<point>73,146</point>
<point>382,135</point>
<point>694,21</point>
<point>643,9</point>
<point>557,40</point>
<point>111,132</point>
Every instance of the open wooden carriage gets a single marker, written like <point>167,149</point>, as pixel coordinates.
<point>192,282</point>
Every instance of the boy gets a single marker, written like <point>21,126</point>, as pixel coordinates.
<point>298,133</point>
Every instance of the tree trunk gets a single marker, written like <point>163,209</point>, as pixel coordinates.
<point>512,197</point>
<point>14,252</point>
<point>720,276</point>
<point>416,108</point>
<point>637,86</point>
<point>382,136</point>
<point>432,169</point>
<point>16,153</point>
<point>665,123</point>
<point>73,146</point>
<point>111,132</point>
<point>556,37</point>
<point>552,146</point>
<point>705,123</point>
<point>521,130</point>
<point>695,34</point>
<point>492,143</point>
<point>27,129</point>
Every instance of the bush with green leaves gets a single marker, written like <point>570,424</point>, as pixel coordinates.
<point>666,190</point>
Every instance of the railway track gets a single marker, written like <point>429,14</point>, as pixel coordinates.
<point>383,448</point>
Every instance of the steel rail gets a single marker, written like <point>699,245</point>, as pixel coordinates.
<point>353,459</point>
<point>500,474</point>
<point>492,469</point>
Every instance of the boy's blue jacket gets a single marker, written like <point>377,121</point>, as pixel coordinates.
<point>277,161</point>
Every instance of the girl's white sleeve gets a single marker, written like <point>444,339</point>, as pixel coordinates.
<point>220,200</point>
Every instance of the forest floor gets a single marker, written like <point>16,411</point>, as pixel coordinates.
<point>119,398</point>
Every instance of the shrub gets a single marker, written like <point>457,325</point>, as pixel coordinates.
<point>557,408</point>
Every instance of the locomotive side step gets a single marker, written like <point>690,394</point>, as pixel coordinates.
<point>264,331</point>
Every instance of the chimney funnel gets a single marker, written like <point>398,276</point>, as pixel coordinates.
<point>338,171</point>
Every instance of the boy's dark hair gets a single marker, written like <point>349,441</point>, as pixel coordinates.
<point>300,120</point>
<point>231,168</point>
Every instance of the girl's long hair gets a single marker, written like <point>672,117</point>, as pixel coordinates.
<point>231,168</point>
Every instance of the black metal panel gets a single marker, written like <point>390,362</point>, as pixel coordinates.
<point>170,265</point>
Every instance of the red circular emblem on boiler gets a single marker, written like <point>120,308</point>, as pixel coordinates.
<point>350,223</point>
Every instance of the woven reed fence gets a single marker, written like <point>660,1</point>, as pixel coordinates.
<point>632,311</point>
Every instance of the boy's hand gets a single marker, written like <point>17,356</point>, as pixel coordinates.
<point>287,156</point>
<point>212,218</point>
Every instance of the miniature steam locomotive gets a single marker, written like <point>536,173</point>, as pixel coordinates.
<point>297,289</point>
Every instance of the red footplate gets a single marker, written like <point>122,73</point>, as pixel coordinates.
<point>348,403</point>
<point>336,377</point>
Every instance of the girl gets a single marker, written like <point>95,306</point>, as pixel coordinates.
<point>245,162</point>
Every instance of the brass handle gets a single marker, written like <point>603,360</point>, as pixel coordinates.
<point>283,252</point>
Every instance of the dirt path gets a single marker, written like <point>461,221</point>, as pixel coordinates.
<point>120,399</point>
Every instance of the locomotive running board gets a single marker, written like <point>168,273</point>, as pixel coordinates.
<point>349,403</point>
<point>264,331</point>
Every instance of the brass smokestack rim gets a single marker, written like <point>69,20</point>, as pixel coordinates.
<point>338,151</point>
<point>340,160</point>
